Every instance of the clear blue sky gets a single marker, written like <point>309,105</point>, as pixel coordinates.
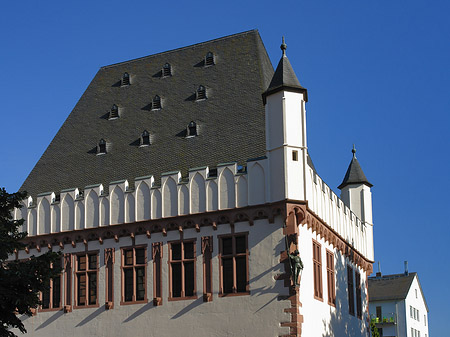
<point>377,73</point>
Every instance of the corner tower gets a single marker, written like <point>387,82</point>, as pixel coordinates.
<point>286,148</point>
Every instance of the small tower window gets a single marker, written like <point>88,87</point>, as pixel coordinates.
<point>156,103</point>
<point>191,130</point>
<point>145,138</point>
<point>201,93</point>
<point>209,59</point>
<point>167,70</point>
<point>101,148</point>
<point>126,79</point>
<point>114,112</point>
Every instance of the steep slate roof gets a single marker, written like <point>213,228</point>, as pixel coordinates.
<point>392,287</point>
<point>284,77</point>
<point>230,121</point>
<point>354,174</point>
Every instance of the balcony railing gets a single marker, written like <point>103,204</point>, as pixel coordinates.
<point>388,318</point>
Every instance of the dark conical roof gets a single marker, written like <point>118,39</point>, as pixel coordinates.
<point>284,78</point>
<point>355,174</point>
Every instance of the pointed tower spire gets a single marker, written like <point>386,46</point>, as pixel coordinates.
<point>355,174</point>
<point>284,77</point>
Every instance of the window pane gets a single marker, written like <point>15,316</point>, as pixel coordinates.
<point>188,250</point>
<point>93,261</point>
<point>128,257</point>
<point>227,265</point>
<point>81,263</point>
<point>92,288</point>
<point>227,246</point>
<point>176,251</point>
<point>176,279</point>
<point>56,292</point>
<point>81,289</point>
<point>128,276</point>
<point>240,244</point>
<point>140,283</point>
<point>241,274</point>
<point>189,278</point>
<point>140,256</point>
<point>46,297</point>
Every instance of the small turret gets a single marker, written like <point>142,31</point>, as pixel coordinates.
<point>355,190</point>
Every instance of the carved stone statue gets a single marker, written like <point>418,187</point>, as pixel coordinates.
<point>296,265</point>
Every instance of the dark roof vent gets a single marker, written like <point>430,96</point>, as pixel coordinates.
<point>156,103</point>
<point>126,79</point>
<point>201,93</point>
<point>209,59</point>
<point>166,70</point>
<point>191,130</point>
<point>145,138</point>
<point>101,147</point>
<point>114,112</point>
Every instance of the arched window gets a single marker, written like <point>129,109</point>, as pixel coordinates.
<point>101,147</point>
<point>201,92</point>
<point>167,70</point>
<point>209,59</point>
<point>145,138</point>
<point>126,79</point>
<point>156,103</point>
<point>114,112</point>
<point>191,130</point>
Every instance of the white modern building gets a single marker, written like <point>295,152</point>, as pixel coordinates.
<point>397,305</point>
<point>175,190</point>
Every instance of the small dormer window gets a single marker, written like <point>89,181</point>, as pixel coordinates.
<point>209,59</point>
<point>126,79</point>
<point>191,130</point>
<point>156,103</point>
<point>167,70</point>
<point>201,93</point>
<point>101,148</point>
<point>145,138</point>
<point>114,112</point>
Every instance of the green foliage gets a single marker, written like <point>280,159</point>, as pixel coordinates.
<point>374,330</point>
<point>20,281</point>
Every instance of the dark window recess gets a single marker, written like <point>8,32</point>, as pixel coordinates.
<point>234,264</point>
<point>126,79</point>
<point>191,130</point>
<point>295,155</point>
<point>209,59</point>
<point>145,138</point>
<point>182,270</point>
<point>114,112</point>
<point>166,70</point>
<point>156,103</point>
<point>201,92</point>
<point>101,148</point>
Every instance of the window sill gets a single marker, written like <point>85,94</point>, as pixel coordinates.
<point>318,298</point>
<point>244,293</point>
<point>50,309</point>
<point>133,302</point>
<point>86,306</point>
<point>173,299</point>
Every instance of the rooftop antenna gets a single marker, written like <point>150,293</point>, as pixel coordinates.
<point>406,268</point>
<point>379,269</point>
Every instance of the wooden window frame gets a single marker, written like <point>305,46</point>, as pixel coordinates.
<point>317,265</point>
<point>124,267</point>
<point>358,294</point>
<point>88,271</point>
<point>331,278</point>
<point>207,249</point>
<point>182,262</point>
<point>51,293</point>
<point>234,255</point>
<point>351,291</point>
<point>109,278</point>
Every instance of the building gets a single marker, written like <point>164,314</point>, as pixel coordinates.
<point>397,305</point>
<point>175,190</point>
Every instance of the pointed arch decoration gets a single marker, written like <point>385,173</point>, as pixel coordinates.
<point>92,210</point>
<point>117,206</point>
<point>183,198</point>
<point>226,190</point>
<point>242,192</point>
<point>212,196</point>
<point>143,210</point>
<point>170,198</point>
<point>44,217</point>
<point>104,212</point>
<point>156,204</point>
<point>130,208</point>
<point>198,194</point>
<point>56,219</point>
<point>67,214</point>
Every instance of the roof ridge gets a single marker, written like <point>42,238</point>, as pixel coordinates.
<point>181,48</point>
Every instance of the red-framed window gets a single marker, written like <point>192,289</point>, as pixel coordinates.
<point>51,298</point>
<point>233,259</point>
<point>358,294</point>
<point>182,282</point>
<point>317,265</point>
<point>331,280</point>
<point>86,279</point>
<point>134,275</point>
<point>351,291</point>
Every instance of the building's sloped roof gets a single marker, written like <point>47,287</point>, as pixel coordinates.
<point>230,121</point>
<point>354,174</point>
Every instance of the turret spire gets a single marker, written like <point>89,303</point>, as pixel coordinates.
<point>355,174</point>
<point>283,47</point>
